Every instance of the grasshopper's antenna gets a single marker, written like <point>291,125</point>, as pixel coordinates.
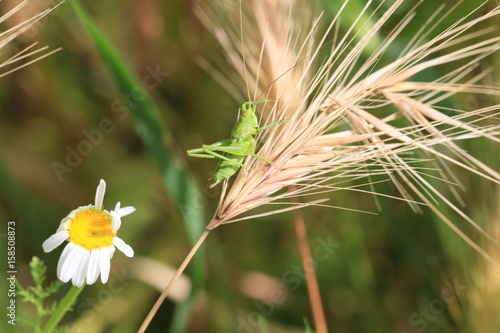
<point>289,69</point>
<point>244,60</point>
<point>243,50</point>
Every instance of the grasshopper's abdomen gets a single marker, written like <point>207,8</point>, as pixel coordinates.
<point>226,169</point>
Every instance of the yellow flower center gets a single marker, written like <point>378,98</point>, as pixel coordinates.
<point>91,229</point>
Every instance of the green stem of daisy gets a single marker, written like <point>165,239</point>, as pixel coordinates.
<point>64,306</point>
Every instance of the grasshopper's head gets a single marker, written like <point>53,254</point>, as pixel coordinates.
<point>247,124</point>
<point>250,105</point>
<point>248,108</point>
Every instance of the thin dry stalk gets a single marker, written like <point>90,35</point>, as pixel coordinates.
<point>310,275</point>
<point>172,282</point>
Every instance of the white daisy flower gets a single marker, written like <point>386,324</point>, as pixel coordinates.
<point>91,232</point>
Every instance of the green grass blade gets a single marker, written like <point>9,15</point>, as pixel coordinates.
<point>307,325</point>
<point>179,183</point>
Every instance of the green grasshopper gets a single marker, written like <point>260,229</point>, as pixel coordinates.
<point>233,151</point>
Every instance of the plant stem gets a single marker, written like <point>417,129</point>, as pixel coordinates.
<point>171,283</point>
<point>310,274</point>
<point>64,306</point>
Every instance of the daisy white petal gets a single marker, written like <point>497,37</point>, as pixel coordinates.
<point>70,263</point>
<point>99,194</point>
<point>125,211</point>
<point>111,251</point>
<point>93,268</point>
<point>64,224</point>
<point>81,272</point>
<point>55,240</point>
<point>104,265</point>
<point>122,246</point>
<point>116,221</point>
<point>62,259</point>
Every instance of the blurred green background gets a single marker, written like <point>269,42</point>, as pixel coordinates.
<point>391,272</point>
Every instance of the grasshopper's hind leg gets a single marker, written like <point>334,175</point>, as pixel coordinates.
<point>198,152</point>
<point>209,151</point>
<point>222,157</point>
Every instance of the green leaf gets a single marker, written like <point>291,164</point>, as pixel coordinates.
<point>37,294</point>
<point>53,287</point>
<point>25,319</point>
